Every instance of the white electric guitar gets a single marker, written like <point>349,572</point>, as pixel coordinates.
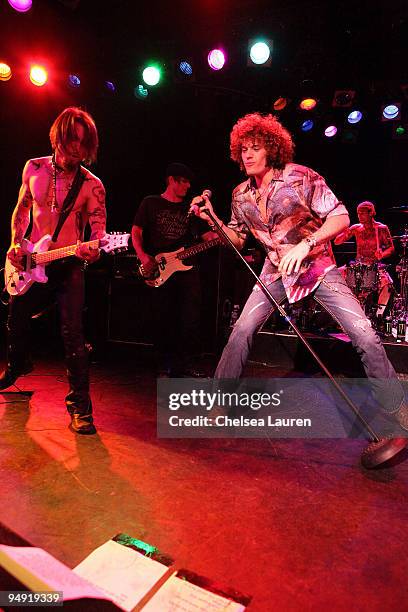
<point>168,263</point>
<point>37,256</point>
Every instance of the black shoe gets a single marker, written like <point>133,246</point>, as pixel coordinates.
<point>379,452</point>
<point>82,424</point>
<point>9,376</point>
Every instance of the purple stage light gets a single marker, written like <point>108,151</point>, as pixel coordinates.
<point>216,59</point>
<point>22,6</point>
<point>74,81</point>
<point>355,116</point>
<point>307,125</point>
<point>330,131</point>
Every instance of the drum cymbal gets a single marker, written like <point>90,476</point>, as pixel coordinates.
<point>402,237</point>
<point>398,209</point>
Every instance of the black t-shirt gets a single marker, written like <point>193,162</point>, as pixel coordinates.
<point>166,225</point>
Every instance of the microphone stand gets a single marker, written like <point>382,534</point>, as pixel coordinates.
<point>220,231</point>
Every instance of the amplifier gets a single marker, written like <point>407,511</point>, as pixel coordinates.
<point>125,265</point>
<point>131,309</point>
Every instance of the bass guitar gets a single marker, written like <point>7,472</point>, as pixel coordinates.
<point>168,263</point>
<point>37,256</point>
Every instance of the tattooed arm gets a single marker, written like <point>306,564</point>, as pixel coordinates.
<point>386,244</point>
<point>96,217</point>
<point>97,210</point>
<point>20,219</point>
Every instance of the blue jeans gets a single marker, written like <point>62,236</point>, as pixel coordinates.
<point>336,297</point>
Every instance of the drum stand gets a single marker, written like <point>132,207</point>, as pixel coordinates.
<point>400,307</point>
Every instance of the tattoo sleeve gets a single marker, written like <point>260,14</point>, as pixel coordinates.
<point>97,211</point>
<point>20,219</point>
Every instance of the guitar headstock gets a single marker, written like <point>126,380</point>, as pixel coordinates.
<point>115,241</point>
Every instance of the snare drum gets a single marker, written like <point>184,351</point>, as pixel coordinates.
<point>362,278</point>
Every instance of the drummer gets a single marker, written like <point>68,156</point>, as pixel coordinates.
<point>374,243</point>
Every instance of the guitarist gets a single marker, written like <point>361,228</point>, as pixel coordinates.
<point>162,224</point>
<point>50,185</point>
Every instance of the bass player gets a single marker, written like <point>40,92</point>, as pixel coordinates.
<point>162,224</point>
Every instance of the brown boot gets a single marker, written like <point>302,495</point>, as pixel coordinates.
<point>82,424</point>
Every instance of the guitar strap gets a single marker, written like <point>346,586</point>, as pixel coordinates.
<point>69,202</point>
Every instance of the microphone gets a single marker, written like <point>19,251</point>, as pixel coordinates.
<point>202,202</point>
<point>207,193</point>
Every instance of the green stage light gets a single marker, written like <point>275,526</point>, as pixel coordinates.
<point>141,92</point>
<point>151,75</point>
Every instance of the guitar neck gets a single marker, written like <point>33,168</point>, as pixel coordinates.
<point>49,256</point>
<point>198,248</point>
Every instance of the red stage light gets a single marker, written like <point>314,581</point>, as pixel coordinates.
<point>38,75</point>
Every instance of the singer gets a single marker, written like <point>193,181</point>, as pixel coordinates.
<point>163,224</point>
<point>293,214</point>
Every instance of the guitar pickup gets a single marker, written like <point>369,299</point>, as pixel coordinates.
<point>162,263</point>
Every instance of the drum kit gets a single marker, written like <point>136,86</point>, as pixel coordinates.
<point>364,281</point>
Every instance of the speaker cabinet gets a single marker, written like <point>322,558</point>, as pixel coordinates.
<point>131,311</point>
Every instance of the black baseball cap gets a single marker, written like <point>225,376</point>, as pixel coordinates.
<point>178,169</point>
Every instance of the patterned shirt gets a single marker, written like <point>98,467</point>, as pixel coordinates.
<point>296,202</point>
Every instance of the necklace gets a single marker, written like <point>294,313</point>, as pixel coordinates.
<point>259,194</point>
<point>57,169</point>
<point>54,204</point>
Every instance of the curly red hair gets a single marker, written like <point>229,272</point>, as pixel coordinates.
<point>267,129</point>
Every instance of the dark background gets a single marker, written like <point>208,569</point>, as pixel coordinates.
<point>317,44</point>
<point>334,44</point>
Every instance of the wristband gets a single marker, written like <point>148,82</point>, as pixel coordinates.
<point>310,241</point>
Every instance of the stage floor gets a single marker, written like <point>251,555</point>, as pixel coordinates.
<point>298,524</point>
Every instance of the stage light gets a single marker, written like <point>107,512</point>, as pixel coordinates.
<point>22,6</point>
<point>216,59</point>
<point>391,112</point>
<point>400,131</point>
<point>185,68</point>
<point>141,92</point>
<point>355,116</point>
<point>38,75</point>
<point>308,104</point>
<point>280,104</point>
<point>330,131</point>
<point>307,125</point>
<point>259,52</point>
<point>151,75</point>
<point>349,136</point>
<point>343,98</point>
<point>110,86</point>
<point>5,72</point>
<point>74,81</point>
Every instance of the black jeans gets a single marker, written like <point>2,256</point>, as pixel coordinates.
<point>177,319</point>
<point>65,286</point>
